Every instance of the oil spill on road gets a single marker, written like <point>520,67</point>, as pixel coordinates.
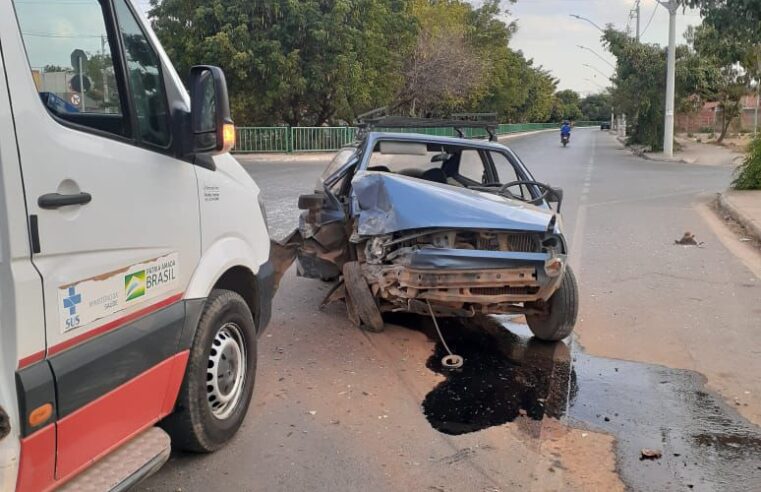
<point>706,444</point>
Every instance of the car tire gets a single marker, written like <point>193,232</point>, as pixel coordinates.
<point>361,298</point>
<point>562,310</point>
<point>207,416</point>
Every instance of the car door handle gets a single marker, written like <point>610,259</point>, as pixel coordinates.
<point>56,200</point>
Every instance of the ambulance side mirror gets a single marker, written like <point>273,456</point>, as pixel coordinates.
<point>211,124</point>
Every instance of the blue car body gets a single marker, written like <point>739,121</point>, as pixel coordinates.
<point>463,250</point>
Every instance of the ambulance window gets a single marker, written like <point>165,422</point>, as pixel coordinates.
<point>146,84</point>
<point>71,60</point>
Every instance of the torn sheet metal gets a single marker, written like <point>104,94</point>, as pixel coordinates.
<point>389,203</point>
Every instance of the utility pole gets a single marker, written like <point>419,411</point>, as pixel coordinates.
<point>104,73</point>
<point>668,130</point>
<point>758,94</point>
<point>639,13</point>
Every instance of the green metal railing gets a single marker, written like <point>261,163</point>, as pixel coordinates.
<point>263,139</point>
<point>284,139</point>
<point>321,139</point>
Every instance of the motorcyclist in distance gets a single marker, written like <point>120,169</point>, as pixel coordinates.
<point>565,130</point>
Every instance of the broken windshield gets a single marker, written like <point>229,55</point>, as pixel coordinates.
<point>339,162</point>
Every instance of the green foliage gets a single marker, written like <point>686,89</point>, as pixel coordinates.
<point>311,62</point>
<point>596,107</point>
<point>640,84</point>
<point>566,106</point>
<point>300,62</point>
<point>749,173</point>
<point>736,19</point>
<point>731,81</point>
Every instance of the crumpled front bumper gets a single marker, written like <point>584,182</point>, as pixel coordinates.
<point>480,277</point>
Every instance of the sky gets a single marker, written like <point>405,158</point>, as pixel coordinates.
<point>548,34</point>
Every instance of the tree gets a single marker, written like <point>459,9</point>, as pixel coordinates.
<point>312,62</point>
<point>596,107</point>
<point>55,68</point>
<point>737,19</point>
<point>444,69</point>
<point>640,83</point>
<point>731,81</point>
<point>306,62</point>
<point>566,106</point>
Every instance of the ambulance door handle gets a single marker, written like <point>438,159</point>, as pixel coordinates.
<point>57,200</point>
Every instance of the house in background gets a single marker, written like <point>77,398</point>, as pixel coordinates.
<point>708,119</point>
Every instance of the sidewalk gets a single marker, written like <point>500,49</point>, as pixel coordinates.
<point>691,152</point>
<point>745,208</point>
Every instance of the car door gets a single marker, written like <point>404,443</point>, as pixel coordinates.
<point>114,217</point>
<point>323,233</point>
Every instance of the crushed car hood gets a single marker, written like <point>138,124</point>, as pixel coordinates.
<point>390,202</point>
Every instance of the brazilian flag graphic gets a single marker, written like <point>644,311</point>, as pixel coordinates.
<point>134,285</point>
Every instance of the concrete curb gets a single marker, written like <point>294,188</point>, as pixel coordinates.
<point>326,156</point>
<point>650,157</point>
<point>728,208</point>
<point>525,134</point>
<point>277,157</point>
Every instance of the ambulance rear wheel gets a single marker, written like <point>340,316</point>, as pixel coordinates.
<point>219,379</point>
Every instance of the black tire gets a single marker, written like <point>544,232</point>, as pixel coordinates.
<point>361,298</point>
<point>194,426</point>
<point>562,310</point>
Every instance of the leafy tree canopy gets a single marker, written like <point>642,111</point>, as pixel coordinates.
<point>596,107</point>
<point>640,83</point>
<point>738,19</point>
<point>315,62</point>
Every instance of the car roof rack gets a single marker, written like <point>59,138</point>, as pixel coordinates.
<point>373,120</point>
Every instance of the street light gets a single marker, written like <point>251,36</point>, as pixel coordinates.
<point>597,55</point>
<point>587,20</point>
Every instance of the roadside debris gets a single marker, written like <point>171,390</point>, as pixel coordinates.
<point>650,454</point>
<point>687,240</point>
<point>450,361</point>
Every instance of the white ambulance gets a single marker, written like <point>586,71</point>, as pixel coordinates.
<point>134,254</point>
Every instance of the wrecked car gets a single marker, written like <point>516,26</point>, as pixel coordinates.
<point>439,226</point>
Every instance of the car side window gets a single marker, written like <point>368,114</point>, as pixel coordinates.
<point>145,80</point>
<point>505,170</point>
<point>472,166</point>
<point>72,62</point>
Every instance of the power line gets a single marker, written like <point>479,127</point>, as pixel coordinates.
<point>652,16</point>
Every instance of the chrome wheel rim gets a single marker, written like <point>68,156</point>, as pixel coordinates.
<point>226,370</point>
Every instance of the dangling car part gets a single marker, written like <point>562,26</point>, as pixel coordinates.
<point>459,224</point>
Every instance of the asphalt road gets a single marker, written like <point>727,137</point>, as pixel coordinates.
<point>338,409</point>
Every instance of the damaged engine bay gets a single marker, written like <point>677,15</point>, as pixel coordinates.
<point>405,271</point>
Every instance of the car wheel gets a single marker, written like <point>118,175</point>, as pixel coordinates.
<point>361,299</point>
<point>219,379</point>
<point>562,308</point>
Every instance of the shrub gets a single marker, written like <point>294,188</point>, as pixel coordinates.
<point>749,173</point>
